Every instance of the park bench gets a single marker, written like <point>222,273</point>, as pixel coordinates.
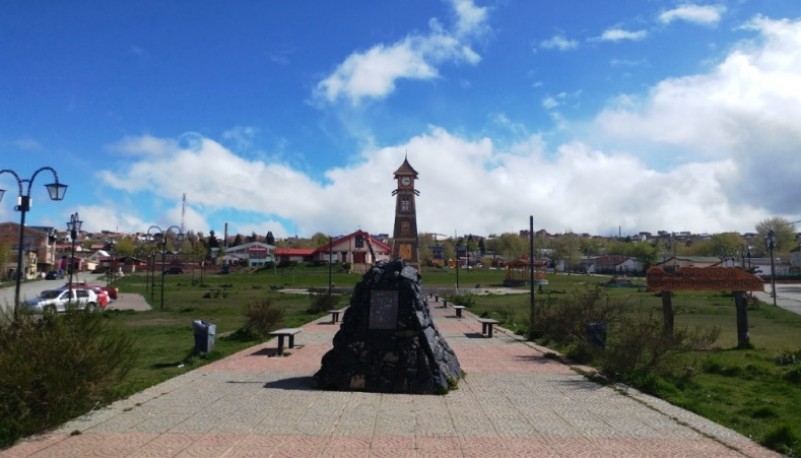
<point>335,315</point>
<point>487,325</point>
<point>285,332</point>
<point>459,309</point>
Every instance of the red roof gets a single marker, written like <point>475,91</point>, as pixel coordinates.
<point>377,244</point>
<point>294,251</point>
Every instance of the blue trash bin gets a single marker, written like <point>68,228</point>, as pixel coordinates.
<point>205,333</point>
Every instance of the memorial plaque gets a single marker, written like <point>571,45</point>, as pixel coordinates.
<point>383,309</point>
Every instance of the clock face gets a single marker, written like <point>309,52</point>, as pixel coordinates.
<point>405,181</point>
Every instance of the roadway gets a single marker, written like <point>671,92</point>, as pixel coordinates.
<point>32,288</point>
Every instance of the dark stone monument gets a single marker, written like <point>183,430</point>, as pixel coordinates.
<point>387,342</point>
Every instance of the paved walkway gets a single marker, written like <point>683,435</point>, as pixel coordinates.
<point>514,402</point>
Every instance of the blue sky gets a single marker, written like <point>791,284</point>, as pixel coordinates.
<point>290,117</point>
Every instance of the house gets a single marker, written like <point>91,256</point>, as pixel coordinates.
<point>359,249</point>
<point>252,254</point>
<point>693,261</point>
<point>615,264</point>
<point>795,259</point>
<point>293,255</point>
<point>38,247</point>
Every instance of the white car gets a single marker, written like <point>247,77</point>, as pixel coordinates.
<point>58,300</point>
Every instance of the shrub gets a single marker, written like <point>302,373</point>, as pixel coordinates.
<point>262,316</point>
<point>56,367</point>
<point>564,320</point>
<point>640,344</point>
<point>636,344</point>
<point>462,299</point>
<point>322,302</point>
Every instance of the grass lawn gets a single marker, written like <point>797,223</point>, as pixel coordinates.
<point>742,389</point>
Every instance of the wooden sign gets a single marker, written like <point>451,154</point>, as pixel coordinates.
<point>703,279</point>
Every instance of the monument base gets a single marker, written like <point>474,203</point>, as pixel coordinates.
<point>387,342</point>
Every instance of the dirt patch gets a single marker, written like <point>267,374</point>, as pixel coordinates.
<point>130,301</point>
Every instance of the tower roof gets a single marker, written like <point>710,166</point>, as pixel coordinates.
<point>405,169</point>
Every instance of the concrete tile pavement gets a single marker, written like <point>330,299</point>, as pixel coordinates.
<point>513,402</point>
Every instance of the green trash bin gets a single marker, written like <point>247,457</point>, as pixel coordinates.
<point>205,333</point>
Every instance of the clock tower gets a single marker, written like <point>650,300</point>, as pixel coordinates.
<point>404,237</point>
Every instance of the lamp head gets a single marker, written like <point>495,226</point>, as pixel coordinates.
<point>56,190</point>
<point>771,239</point>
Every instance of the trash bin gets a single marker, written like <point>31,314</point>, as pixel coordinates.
<point>596,334</point>
<point>205,333</point>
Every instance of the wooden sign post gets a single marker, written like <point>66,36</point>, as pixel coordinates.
<point>706,279</point>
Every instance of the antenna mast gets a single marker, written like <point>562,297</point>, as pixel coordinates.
<point>183,214</point>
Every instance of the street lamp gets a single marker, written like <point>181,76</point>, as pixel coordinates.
<point>163,234</point>
<point>55,190</point>
<point>771,245</point>
<point>74,226</point>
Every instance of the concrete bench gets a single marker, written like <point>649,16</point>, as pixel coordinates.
<point>459,309</point>
<point>285,332</point>
<point>487,325</point>
<point>335,315</point>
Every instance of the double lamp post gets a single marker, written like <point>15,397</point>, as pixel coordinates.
<point>55,190</point>
<point>153,232</point>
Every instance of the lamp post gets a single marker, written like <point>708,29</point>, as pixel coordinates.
<point>55,190</point>
<point>771,246</point>
<point>163,234</point>
<point>74,226</point>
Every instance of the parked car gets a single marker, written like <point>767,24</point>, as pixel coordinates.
<point>174,270</point>
<point>103,297</point>
<point>59,300</point>
<point>55,275</point>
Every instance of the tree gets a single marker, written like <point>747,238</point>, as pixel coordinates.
<point>319,239</point>
<point>644,252</point>
<point>567,248</point>
<point>727,245</point>
<point>270,238</point>
<point>213,242</point>
<point>237,240</point>
<point>123,248</point>
<point>785,235</point>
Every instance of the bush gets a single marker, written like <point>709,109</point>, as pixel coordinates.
<point>564,320</point>
<point>322,302</point>
<point>56,367</point>
<point>636,344</point>
<point>262,316</point>
<point>640,344</point>
<point>462,299</point>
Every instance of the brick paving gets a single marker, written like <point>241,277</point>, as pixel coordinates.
<point>513,402</point>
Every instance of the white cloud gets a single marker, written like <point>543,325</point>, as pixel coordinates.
<point>467,185</point>
<point>744,110</point>
<point>373,73</point>
<point>559,42</point>
<point>145,144</point>
<point>618,34</point>
<point>241,136</point>
<point>697,14</point>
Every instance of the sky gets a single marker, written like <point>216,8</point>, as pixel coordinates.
<point>600,117</point>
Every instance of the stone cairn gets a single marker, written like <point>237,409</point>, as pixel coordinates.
<point>387,342</point>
